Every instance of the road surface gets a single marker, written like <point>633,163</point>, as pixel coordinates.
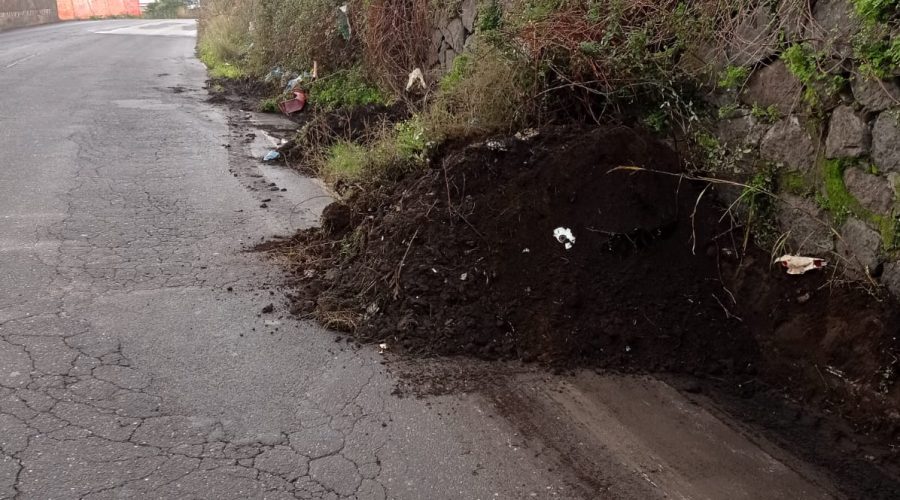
<point>135,362</point>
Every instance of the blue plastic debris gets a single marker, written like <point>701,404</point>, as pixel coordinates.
<point>272,155</point>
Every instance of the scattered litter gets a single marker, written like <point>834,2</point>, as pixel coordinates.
<point>274,75</point>
<point>309,273</point>
<point>834,371</point>
<point>464,276</point>
<point>292,83</point>
<point>434,270</point>
<point>343,22</point>
<point>382,348</point>
<point>372,309</point>
<point>800,265</point>
<point>272,322</point>
<point>527,134</point>
<point>293,105</point>
<point>495,145</point>
<point>526,250</point>
<point>564,235</point>
<point>414,77</point>
<point>271,156</point>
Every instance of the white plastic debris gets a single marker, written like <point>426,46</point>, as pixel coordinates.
<point>526,250</point>
<point>464,276</point>
<point>564,235</point>
<point>527,134</point>
<point>382,348</point>
<point>800,265</point>
<point>416,76</point>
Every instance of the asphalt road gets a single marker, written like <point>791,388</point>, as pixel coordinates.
<point>135,363</point>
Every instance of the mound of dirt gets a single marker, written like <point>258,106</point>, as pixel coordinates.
<point>462,259</point>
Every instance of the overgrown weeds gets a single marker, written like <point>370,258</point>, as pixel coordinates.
<point>224,38</point>
<point>395,37</point>
<point>487,91</point>
<point>345,88</point>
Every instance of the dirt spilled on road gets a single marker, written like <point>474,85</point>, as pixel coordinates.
<point>461,259</point>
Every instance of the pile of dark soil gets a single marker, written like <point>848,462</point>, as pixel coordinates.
<point>461,259</point>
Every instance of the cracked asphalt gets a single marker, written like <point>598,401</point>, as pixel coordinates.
<point>133,359</point>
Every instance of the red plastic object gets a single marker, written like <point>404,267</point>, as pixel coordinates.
<point>293,105</point>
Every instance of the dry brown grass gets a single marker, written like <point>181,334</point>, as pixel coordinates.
<point>395,37</point>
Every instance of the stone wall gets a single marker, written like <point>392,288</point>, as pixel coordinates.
<point>20,13</point>
<point>451,30</point>
<point>836,163</point>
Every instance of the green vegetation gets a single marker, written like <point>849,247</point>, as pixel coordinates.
<point>759,204</point>
<point>768,114</point>
<point>728,111</point>
<point>805,64</point>
<point>164,9</point>
<point>344,161</point>
<point>657,121</point>
<point>801,62</point>
<point>733,77</point>
<point>488,92</point>
<point>877,50</point>
<point>490,17</point>
<point>461,68</point>
<point>840,203</point>
<point>793,182</point>
<point>346,88</point>
<point>874,10</point>
<point>224,41</point>
<point>836,199</point>
<point>395,148</point>
<point>268,105</point>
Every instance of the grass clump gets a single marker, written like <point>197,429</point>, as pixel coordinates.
<point>268,105</point>
<point>344,161</point>
<point>459,70</point>
<point>396,148</point>
<point>491,90</point>
<point>224,38</point>
<point>346,88</point>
